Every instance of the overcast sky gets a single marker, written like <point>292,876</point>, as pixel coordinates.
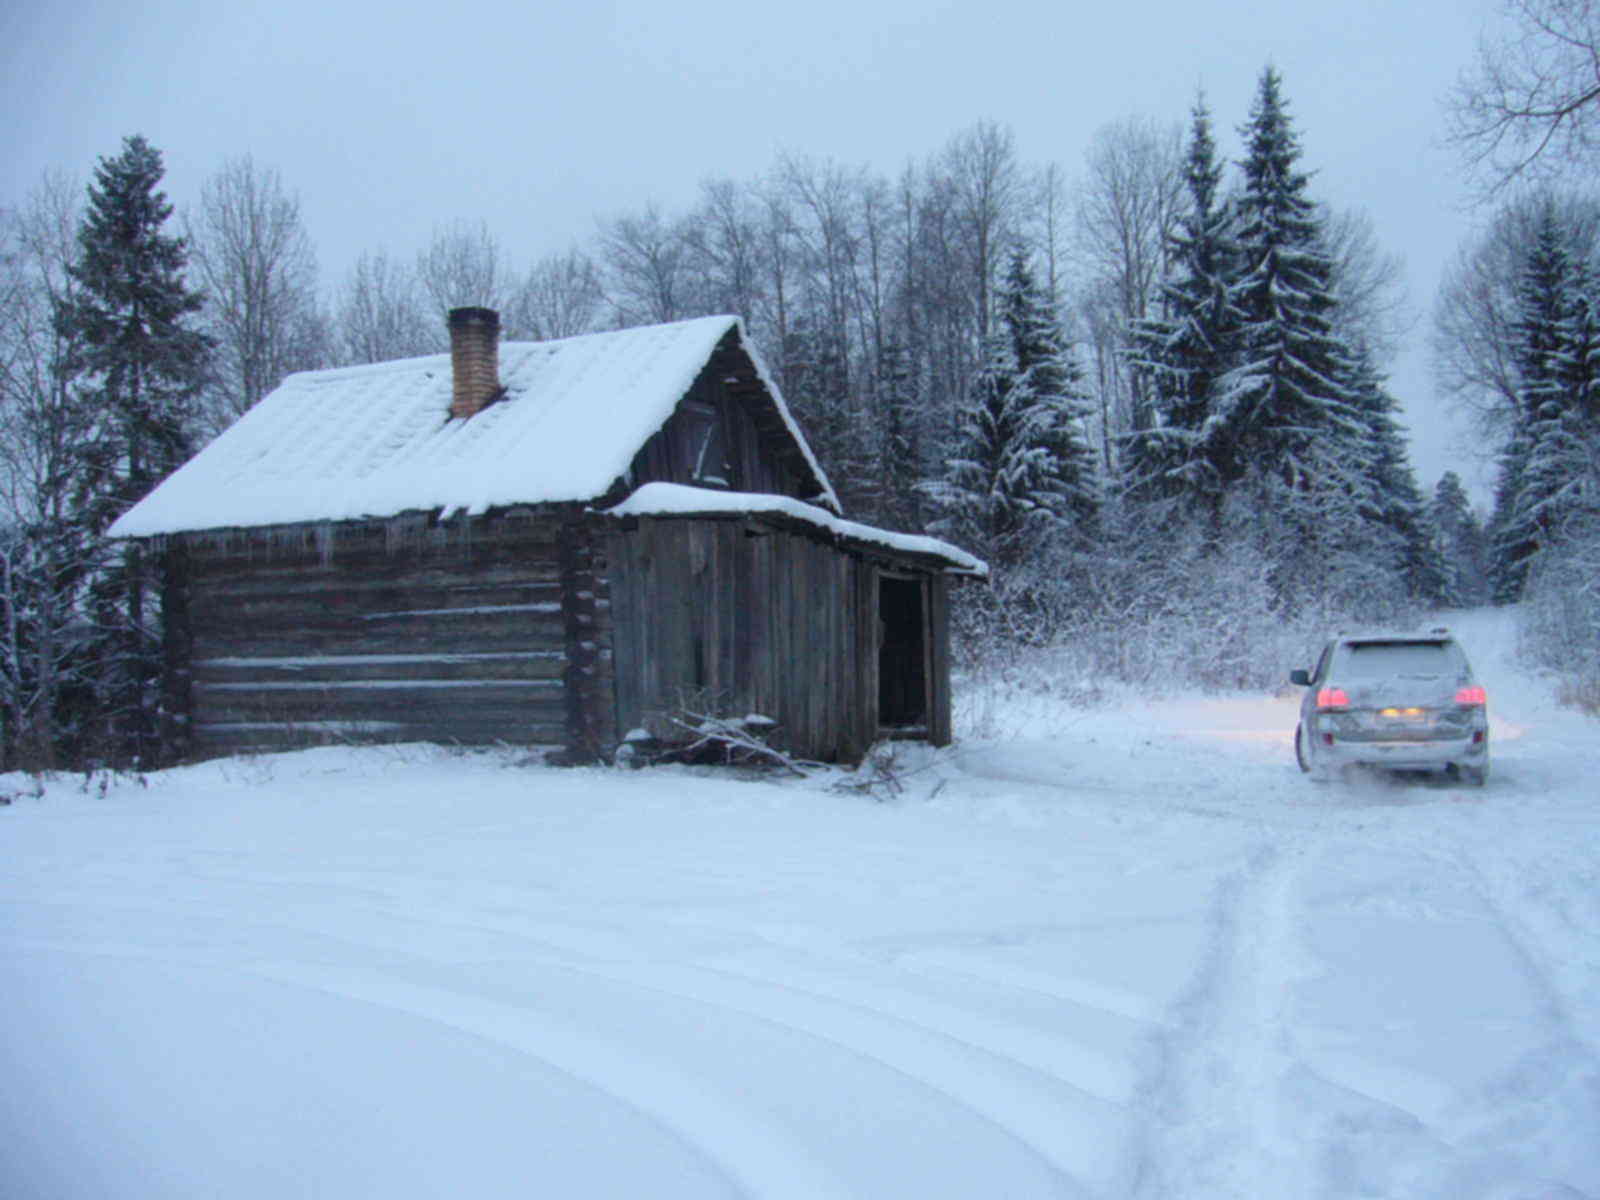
<point>539,118</point>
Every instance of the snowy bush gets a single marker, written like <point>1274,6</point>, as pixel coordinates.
<point>1561,613</point>
<point>1158,615</point>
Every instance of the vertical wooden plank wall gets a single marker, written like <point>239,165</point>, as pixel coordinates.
<point>866,658</point>
<point>741,616</point>
<point>939,701</point>
<point>726,616</point>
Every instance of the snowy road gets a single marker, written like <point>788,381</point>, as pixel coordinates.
<point>1128,953</point>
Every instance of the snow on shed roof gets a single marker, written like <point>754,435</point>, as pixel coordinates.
<point>676,499</point>
<point>375,441</point>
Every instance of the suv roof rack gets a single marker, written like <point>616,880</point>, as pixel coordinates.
<point>1392,635</point>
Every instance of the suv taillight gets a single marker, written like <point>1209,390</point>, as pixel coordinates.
<point>1472,696</point>
<point>1333,698</point>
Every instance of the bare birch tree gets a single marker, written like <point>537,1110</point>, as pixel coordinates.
<point>1474,335</point>
<point>250,254</point>
<point>722,241</point>
<point>1050,226</point>
<point>985,182</point>
<point>1127,208</point>
<point>644,254</point>
<point>462,266</point>
<point>380,314</point>
<point>44,556</point>
<point>1369,284</point>
<point>560,296</point>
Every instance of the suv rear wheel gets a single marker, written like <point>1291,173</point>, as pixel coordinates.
<point>1300,755</point>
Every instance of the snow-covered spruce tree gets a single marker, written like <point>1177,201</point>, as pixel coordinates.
<point>1561,495</point>
<point>1022,473</point>
<point>1561,499</point>
<point>137,369</point>
<point>1510,550</point>
<point>1284,401</point>
<point>900,446</point>
<point>1020,489</point>
<point>1561,625</point>
<point>1400,536</point>
<point>1183,353</point>
<point>1048,373</point>
<point>1461,544</point>
<point>1544,364</point>
<point>1559,483</point>
<point>984,499</point>
<point>1284,409</point>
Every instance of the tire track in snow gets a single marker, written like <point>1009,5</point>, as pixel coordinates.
<point>1571,1004</point>
<point>1083,992</point>
<point>995,1076</point>
<point>1213,1106</point>
<point>758,1160</point>
<point>1082,1068</point>
<point>1502,1117</point>
<point>1024,1083</point>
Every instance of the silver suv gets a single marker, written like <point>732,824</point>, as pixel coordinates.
<point>1400,701</point>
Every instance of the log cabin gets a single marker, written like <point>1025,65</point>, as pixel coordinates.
<point>567,544</point>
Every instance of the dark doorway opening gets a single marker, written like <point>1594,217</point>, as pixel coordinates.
<point>902,657</point>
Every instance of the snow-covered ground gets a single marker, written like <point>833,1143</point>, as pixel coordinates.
<point>1121,953</point>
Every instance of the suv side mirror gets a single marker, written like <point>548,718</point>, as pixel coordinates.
<point>1300,676</point>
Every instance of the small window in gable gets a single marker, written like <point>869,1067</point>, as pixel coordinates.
<point>708,445</point>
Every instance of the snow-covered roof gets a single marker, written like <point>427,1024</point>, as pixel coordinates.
<point>677,500</point>
<point>376,441</point>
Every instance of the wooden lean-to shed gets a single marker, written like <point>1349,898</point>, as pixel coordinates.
<point>547,544</point>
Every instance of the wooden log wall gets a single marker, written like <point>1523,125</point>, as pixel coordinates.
<point>177,675</point>
<point>589,688</point>
<point>457,633</point>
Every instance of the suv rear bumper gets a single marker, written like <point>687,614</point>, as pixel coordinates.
<point>1404,755</point>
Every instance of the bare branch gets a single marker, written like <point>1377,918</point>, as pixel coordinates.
<point>462,266</point>
<point>1528,106</point>
<point>380,314</point>
<point>254,261</point>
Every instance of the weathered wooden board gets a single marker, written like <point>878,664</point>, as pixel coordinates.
<point>760,450</point>
<point>365,635</point>
<point>217,738</point>
<point>419,634</point>
<point>939,720</point>
<point>270,577</point>
<point>738,619</point>
<point>497,700</point>
<point>495,665</point>
<point>177,634</point>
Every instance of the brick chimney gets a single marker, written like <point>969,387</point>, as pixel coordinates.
<point>474,359</point>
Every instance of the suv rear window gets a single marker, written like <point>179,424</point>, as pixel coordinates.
<point>1385,660</point>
